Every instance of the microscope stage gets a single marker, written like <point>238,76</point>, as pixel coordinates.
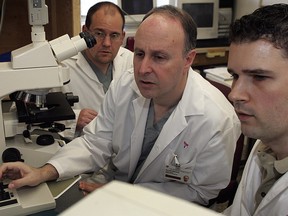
<point>58,108</point>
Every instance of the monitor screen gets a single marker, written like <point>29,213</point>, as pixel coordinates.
<point>135,10</point>
<point>133,7</point>
<point>203,19</point>
<point>205,15</point>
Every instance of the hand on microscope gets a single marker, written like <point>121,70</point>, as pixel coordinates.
<point>22,174</point>
<point>85,117</point>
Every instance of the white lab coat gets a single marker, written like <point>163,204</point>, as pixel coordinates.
<point>85,84</point>
<point>202,131</point>
<point>275,203</point>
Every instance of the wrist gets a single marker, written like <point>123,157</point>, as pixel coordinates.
<point>48,173</point>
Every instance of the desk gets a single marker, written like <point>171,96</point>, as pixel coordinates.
<point>210,56</point>
<point>70,197</point>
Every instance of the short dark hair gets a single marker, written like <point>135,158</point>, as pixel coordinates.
<point>188,24</point>
<point>269,23</point>
<point>93,9</point>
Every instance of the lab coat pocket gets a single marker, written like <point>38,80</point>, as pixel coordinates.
<point>175,170</point>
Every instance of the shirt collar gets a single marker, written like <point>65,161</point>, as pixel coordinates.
<point>281,166</point>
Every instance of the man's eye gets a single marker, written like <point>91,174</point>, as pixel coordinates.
<point>159,57</point>
<point>114,36</point>
<point>100,34</point>
<point>138,54</point>
<point>259,77</point>
<point>234,75</point>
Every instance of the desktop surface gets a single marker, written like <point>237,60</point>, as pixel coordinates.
<point>46,199</point>
<point>25,200</point>
<point>70,197</point>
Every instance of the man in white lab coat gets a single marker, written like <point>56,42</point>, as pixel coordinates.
<point>92,70</point>
<point>161,126</point>
<point>258,61</point>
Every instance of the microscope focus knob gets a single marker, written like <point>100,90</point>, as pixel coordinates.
<point>11,155</point>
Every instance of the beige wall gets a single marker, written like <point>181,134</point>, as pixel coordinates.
<point>64,18</point>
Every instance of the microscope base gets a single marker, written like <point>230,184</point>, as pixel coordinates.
<point>32,153</point>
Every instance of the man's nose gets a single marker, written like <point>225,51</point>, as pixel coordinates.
<point>238,91</point>
<point>145,65</point>
<point>107,40</point>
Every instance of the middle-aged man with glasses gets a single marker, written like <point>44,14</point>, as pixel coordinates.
<point>92,70</point>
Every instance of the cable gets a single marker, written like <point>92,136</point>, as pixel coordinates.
<point>2,14</point>
<point>132,18</point>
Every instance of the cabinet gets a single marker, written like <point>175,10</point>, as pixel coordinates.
<point>64,18</point>
<point>210,57</point>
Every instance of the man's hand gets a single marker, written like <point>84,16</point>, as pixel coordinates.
<point>85,117</point>
<point>88,187</point>
<point>23,175</point>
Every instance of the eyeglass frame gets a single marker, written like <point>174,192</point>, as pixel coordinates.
<point>101,35</point>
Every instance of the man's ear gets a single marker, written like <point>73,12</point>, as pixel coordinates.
<point>84,28</point>
<point>190,56</point>
<point>123,36</point>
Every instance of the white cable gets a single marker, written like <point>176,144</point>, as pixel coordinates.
<point>2,15</point>
<point>131,17</point>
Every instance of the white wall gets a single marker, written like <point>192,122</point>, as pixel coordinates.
<point>243,7</point>
<point>86,4</point>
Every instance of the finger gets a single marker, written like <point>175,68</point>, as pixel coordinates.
<point>8,170</point>
<point>92,113</point>
<point>88,187</point>
<point>29,180</point>
<point>83,185</point>
<point>15,184</point>
<point>86,118</point>
<point>88,112</point>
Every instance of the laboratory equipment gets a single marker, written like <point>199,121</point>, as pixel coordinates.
<point>33,71</point>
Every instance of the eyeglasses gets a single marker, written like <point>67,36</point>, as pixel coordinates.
<point>101,36</point>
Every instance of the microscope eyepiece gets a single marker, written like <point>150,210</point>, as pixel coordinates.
<point>65,47</point>
<point>89,39</point>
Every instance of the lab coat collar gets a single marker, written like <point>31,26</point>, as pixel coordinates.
<point>279,187</point>
<point>121,52</point>
<point>134,86</point>
<point>85,67</point>
<point>141,107</point>
<point>192,103</point>
<point>192,94</point>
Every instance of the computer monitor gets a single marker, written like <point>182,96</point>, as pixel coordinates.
<point>205,14</point>
<point>135,10</point>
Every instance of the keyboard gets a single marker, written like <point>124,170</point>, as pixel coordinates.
<point>26,200</point>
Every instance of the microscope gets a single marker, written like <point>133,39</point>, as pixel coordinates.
<point>34,70</point>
